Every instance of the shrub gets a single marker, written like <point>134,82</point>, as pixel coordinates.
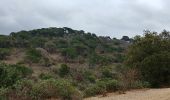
<point>69,53</point>
<point>106,73</point>
<point>156,69</point>
<point>95,59</point>
<point>50,47</point>
<point>119,49</point>
<point>119,58</point>
<point>94,90</point>
<point>45,76</point>
<point>63,70</point>
<point>61,44</point>
<point>21,90</point>
<point>42,90</point>
<point>4,52</point>
<point>101,87</point>
<point>33,56</point>
<point>150,54</point>
<point>51,88</point>
<point>127,78</point>
<point>3,92</point>
<point>45,62</point>
<point>89,76</point>
<point>110,84</point>
<point>12,73</point>
<point>140,84</point>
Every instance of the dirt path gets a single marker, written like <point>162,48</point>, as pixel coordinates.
<point>150,94</point>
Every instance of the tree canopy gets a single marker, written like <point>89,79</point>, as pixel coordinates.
<point>150,54</point>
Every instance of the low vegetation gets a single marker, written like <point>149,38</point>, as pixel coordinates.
<point>67,64</point>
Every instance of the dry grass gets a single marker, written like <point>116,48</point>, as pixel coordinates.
<point>151,94</point>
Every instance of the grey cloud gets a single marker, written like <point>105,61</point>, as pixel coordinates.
<point>114,18</point>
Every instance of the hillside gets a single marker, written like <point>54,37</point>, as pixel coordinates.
<point>60,45</point>
<point>63,53</point>
<point>67,64</point>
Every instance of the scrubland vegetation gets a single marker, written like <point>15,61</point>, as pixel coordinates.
<point>67,64</point>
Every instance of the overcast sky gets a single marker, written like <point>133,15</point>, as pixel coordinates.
<point>114,18</point>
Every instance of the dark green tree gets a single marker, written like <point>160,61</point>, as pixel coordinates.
<point>64,70</point>
<point>151,56</point>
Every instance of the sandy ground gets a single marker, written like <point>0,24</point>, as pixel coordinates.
<point>149,94</point>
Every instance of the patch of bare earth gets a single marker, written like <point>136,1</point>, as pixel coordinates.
<point>149,94</point>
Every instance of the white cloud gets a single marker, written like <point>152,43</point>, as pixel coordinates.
<point>103,17</point>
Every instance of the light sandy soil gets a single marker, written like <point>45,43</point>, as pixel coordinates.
<point>149,94</point>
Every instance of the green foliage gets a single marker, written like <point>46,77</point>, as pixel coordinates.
<point>42,47</point>
<point>101,87</point>
<point>37,42</point>
<point>12,73</point>
<point>110,84</point>
<point>45,76</point>
<point>80,49</point>
<point>106,73</point>
<point>156,69</point>
<point>4,52</point>
<point>45,62</point>
<point>95,59</point>
<point>34,56</point>
<point>41,90</point>
<point>55,89</point>
<point>21,90</point>
<point>140,85</point>
<point>94,90</point>
<point>118,49</point>
<point>120,58</point>
<point>151,55</point>
<point>3,92</point>
<point>5,41</point>
<point>69,53</point>
<point>63,70</point>
<point>72,44</point>
<point>61,44</point>
<point>89,76</point>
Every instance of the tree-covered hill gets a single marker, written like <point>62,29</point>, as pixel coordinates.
<point>37,63</point>
<point>67,64</point>
<point>70,44</point>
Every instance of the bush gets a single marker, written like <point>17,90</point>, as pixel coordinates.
<point>156,69</point>
<point>51,88</point>
<point>94,90</point>
<point>110,84</point>
<point>21,90</point>
<point>69,53</point>
<point>45,76</point>
<point>50,47</point>
<point>45,62</point>
<point>140,85</point>
<point>33,56</point>
<point>106,73</point>
<point>101,87</point>
<point>150,54</point>
<point>95,59</point>
<point>42,90</point>
<point>64,70</point>
<point>4,52</point>
<point>12,73</point>
<point>89,76</point>
<point>119,58</point>
<point>3,92</point>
